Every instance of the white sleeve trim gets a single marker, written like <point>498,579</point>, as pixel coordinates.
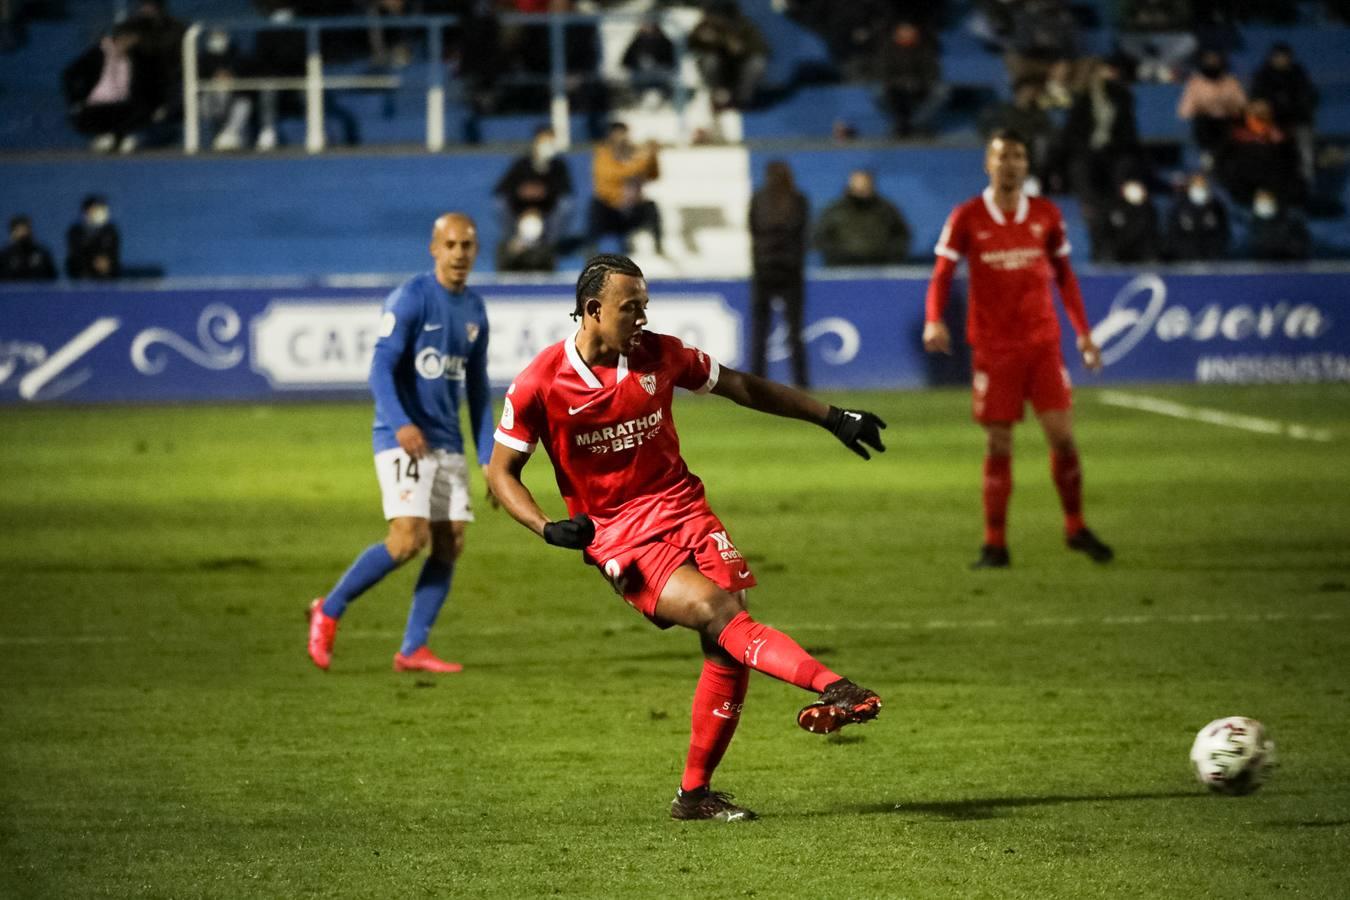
<point>947,253</point>
<point>506,440</point>
<point>714,371</point>
<point>1064,249</point>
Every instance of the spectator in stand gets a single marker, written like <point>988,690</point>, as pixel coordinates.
<point>281,53</point>
<point>1129,232</point>
<point>1025,116</point>
<point>731,55</point>
<point>525,249</point>
<point>529,48</point>
<point>161,50</point>
<point>1197,228</point>
<point>620,170</point>
<point>537,184</point>
<point>93,246</point>
<point>650,61</point>
<point>108,92</point>
<point>853,31</point>
<point>229,113</point>
<point>779,214</point>
<point>24,259</point>
<point>1099,145</point>
<point>1259,154</point>
<point>1157,35</point>
<point>1277,231</point>
<point>476,53</point>
<point>910,78</point>
<point>1044,34</point>
<point>1284,84</point>
<point>1212,101</point>
<point>862,228</point>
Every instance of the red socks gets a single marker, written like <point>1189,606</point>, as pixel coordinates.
<point>768,650</point>
<point>997,491</point>
<point>716,713</point>
<point>1068,477</point>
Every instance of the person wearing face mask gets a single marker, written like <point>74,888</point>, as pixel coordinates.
<point>93,245</point>
<point>1277,232</point>
<point>1129,232</point>
<point>24,259</point>
<point>1197,227</point>
<point>539,182</point>
<point>862,228</point>
<point>1212,101</point>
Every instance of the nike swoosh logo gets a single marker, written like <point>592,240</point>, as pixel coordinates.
<point>573,410</point>
<point>431,327</point>
<point>745,573</point>
<point>721,715</point>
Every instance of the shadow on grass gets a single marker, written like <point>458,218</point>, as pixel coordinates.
<point>994,807</point>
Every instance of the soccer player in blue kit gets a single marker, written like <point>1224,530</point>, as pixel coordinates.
<point>433,339</point>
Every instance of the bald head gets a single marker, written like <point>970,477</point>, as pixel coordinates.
<point>454,246</point>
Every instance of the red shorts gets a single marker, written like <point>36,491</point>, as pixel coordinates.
<point>1005,380</point>
<point>640,573</point>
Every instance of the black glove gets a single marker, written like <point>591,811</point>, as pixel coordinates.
<point>574,533</point>
<point>855,427</point>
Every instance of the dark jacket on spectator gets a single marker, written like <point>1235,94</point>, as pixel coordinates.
<point>1284,236</point>
<point>524,187</point>
<point>1261,157</point>
<point>857,231</point>
<point>778,231</point>
<point>1290,91</point>
<point>84,244</point>
<point>26,260</point>
<point>650,51</point>
<point>1197,232</point>
<point>1129,233</point>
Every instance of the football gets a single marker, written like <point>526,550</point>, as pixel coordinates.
<point>1233,756</point>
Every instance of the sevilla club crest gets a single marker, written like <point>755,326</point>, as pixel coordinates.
<point>648,383</point>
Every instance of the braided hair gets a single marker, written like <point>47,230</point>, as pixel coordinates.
<point>596,272</point>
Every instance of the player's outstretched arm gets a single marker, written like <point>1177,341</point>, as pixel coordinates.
<point>503,474</point>
<point>856,429</point>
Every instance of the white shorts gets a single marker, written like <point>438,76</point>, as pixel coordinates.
<point>435,487</point>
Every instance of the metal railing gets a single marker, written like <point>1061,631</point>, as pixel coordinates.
<point>315,82</point>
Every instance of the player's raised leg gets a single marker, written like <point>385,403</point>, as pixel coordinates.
<point>433,586</point>
<point>406,538</point>
<point>694,601</point>
<point>996,490</point>
<point>1067,473</point>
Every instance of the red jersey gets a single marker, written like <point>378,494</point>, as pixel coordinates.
<point>611,435</point>
<point>1011,264</point>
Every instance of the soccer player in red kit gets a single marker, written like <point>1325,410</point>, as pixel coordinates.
<point>1014,245</point>
<point>600,403</point>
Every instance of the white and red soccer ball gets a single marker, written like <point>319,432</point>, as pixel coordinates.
<point>1233,756</point>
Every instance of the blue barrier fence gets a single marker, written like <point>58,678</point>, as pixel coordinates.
<point>164,344</point>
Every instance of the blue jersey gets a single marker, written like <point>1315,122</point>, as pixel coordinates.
<point>431,342</point>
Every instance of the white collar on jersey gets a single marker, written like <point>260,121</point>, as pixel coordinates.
<point>574,357</point>
<point>1022,207</point>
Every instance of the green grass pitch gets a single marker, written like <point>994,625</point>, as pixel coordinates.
<point>162,733</point>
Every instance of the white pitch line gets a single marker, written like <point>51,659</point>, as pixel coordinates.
<point>1213,416</point>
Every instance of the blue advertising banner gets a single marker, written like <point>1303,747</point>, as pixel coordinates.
<point>166,344</point>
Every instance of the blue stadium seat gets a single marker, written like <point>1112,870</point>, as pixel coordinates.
<point>1156,111</point>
